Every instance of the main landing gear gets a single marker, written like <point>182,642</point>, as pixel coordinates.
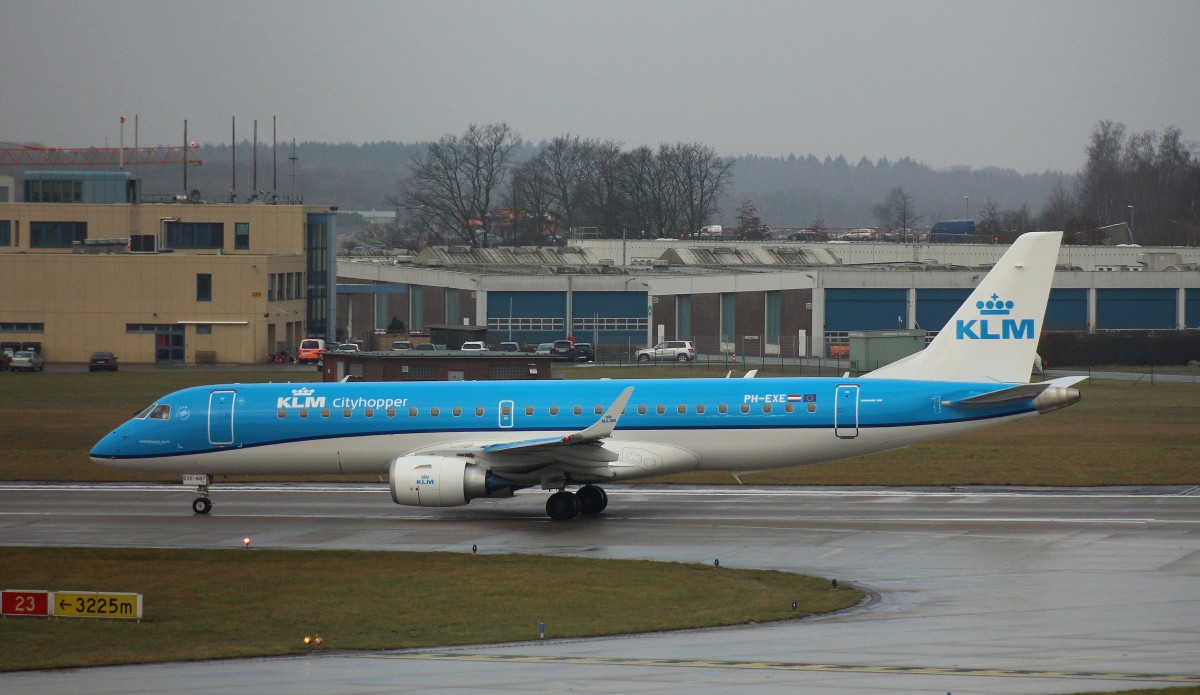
<point>565,505</point>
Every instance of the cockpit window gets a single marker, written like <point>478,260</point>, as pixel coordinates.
<point>145,412</point>
<point>160,412</point>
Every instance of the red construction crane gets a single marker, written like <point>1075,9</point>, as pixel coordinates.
<point>28,155</point>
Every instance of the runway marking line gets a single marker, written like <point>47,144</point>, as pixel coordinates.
<point>780,666</point>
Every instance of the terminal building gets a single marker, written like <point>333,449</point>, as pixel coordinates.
<point>748,298</point>
<point>87,264</point>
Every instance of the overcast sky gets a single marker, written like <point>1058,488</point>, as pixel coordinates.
<point>1010,84</point>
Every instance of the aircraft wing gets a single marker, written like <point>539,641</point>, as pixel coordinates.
<point>598,430</point>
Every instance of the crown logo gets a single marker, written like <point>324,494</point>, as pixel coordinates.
<point>994,306</point>
<point>303,392</point>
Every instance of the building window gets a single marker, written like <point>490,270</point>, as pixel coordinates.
<point>241,236</point>
<point>56,235</point>
<point>195,235</point>
<point>204,329</point>
<point>6,233</point>
<point>21,327</point>
<point>203,287</point>
<point>270,287</point>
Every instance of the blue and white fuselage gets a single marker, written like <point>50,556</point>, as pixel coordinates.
<point>443,444</point>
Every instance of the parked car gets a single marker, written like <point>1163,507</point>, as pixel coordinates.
<point>561,349</point>
<point>428,347</point>
<point>102,361</point>
<point>584,352</point>
<point>27,360</point>
<point>473,346</point>
<point>311,350</point>
<point>543,349</point>
<point>679,350</point>
<point>348,347</point>
<point>509,347</point>
<point>402,345</point>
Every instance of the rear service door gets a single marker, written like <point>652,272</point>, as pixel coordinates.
<point>220,417</point>
<point>845,411</point>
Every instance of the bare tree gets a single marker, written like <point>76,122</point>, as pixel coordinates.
<point>749,222</point>
<point>533,194</point>
<point>700,178</point>
<point>898,212</point>
<point>602,190</point>
<point>455,181</point>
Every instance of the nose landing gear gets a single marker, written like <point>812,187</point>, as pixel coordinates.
<point>202,504</point>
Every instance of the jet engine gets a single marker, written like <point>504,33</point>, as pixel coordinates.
<point>441,481</point>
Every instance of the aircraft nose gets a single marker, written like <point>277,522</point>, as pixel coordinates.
<point>109,447</point>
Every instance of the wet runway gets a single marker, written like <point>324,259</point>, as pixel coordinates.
<point>974,590</point>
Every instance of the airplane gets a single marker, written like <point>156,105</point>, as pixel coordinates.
<point>442,444</point>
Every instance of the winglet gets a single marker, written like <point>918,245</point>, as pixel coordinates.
<point>606,424</point>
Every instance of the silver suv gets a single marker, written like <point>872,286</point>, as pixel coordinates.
<point>678,350</point>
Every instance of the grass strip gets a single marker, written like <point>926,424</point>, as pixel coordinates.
<point>209,604</point>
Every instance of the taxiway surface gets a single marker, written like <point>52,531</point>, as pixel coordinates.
<point>976,590</point>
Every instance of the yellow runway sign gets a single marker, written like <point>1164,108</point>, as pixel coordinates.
<point>93,604</point>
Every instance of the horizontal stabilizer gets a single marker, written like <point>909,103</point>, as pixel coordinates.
<point>1013,394</point>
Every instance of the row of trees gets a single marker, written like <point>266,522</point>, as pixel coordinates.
<point>468,186</point>
<point>1149,181</point>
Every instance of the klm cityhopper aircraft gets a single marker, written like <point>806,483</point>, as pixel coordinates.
<point>444,444</point>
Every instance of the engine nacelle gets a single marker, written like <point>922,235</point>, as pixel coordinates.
<point>441,481</point>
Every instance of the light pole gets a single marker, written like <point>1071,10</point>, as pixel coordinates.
<point>1131,224</point>
<point>966,207</point>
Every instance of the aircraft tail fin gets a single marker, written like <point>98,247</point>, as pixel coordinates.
<point>994,335</point>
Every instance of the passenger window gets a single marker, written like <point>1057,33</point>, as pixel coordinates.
<point>506,411</point>
<point>767,408</point>
<point>554,410</point>
<point>282,413</point>
<point>578,410</point>
<point>529,410</point>
<point>346,412</point>
<point>700,408</point>
<point>682,409</point>
<point>412,412</point>
<point>789,408</point>
<point>812,407</point>
<point>642,409</point>
<point>457,411</point>
<point>479,411</point>
<point>661,408</point>
<point>161,412</point>
<point>369,412</point>
<point>745,408</point>
<point>722,409</point>
<point>599,409</point>
<point>303,413</point>
<point>325,412</point>
<point>435,411</point>
<point>391,412</point>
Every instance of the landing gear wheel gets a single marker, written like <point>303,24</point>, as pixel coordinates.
<point>202,505</point>
<point>592,499</point>
<point>562,506</point>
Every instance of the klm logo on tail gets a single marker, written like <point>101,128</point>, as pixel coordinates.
<point>994,328</point>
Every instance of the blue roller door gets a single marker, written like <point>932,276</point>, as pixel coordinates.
<point>1067,310</point>
<point>936,306</point>
<point>1118,309</point>
<point>864,309</point>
